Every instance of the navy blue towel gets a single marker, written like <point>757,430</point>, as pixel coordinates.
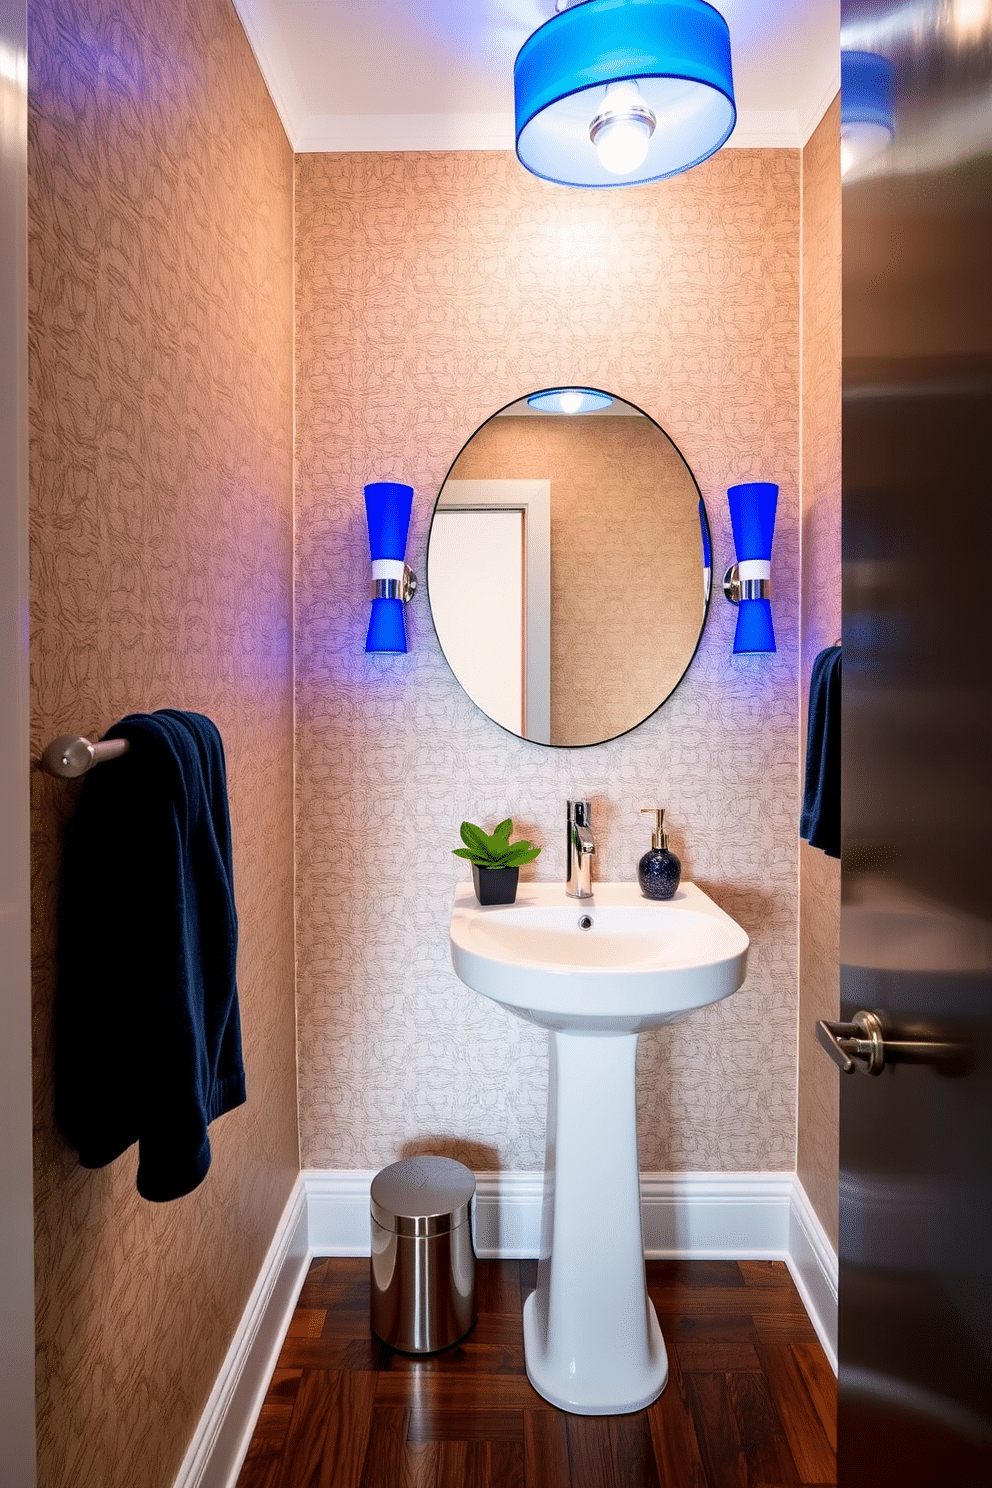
<point>147,1028</point>
<point>820,820</point>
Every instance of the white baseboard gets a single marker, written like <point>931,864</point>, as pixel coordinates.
<point>221,1439</point>
<point>813,1263</point>
<point>716,1216</point>
<point>743,1216</point>
<point>698,1216</point>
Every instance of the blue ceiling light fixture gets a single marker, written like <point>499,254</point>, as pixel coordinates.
<point>867,121</point>
<point>570,400</point>
<point>621,92</point>
<point>388,506</point>
<point>748,582</point>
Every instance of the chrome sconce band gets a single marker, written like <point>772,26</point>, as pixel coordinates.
<point>404,587</point>
<point>737,588</point>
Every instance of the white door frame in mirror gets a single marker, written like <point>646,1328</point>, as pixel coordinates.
<point>532,500</point>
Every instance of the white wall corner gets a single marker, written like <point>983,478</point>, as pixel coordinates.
<point>822,101</point>
<point>338,1206</point>
<point>224,1432</point>
<point>259,23</point>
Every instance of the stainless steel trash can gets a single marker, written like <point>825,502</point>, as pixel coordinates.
<point>423,1261</point>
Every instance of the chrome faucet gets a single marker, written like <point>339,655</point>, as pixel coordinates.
<point>579,848</point>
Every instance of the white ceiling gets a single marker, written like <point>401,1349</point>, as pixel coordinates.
<point>438,74</point>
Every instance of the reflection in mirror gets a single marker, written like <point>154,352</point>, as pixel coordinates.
<point>565,571</point>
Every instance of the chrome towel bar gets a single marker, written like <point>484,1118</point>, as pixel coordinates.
<point>70,754</point>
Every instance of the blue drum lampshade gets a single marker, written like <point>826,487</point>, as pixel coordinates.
<point>747,583</point>
<point>388,506</point>
<point>622,92</point>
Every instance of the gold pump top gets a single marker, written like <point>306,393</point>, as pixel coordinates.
<point>659,837</point>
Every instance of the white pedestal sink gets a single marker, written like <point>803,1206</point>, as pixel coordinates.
<point>595,972</point>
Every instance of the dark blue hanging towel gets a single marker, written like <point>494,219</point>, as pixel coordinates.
<point>820,820</point>
<point>147,1028</point>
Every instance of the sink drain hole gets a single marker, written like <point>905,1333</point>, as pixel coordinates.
<point>585,922</point>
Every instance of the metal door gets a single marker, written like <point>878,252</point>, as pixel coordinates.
<point>915,1341</point>
<point>17,1434</point>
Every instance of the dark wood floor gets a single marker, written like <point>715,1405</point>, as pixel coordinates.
<point>750,1401</point>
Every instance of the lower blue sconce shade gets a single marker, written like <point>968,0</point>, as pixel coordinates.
<point>752,514</point>
<point>387,627</point>
<point>755,631</point>
<point>388,506</point>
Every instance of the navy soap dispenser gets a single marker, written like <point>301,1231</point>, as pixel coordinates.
<point>659,871</point>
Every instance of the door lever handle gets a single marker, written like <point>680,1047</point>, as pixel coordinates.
<point>863,1045</point>
<point>861,1039</point>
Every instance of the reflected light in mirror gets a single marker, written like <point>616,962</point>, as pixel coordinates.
<point>866,119</point>
<point>570,400</point>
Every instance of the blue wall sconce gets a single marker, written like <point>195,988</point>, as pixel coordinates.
<point>748,582</point>
<point>388,506</point>
<point>620,92</point>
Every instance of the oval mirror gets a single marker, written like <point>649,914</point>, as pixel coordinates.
<point>568,567</point>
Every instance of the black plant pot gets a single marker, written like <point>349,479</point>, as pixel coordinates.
<point>495,885</point>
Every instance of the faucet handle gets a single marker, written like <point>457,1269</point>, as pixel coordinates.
<point>579,812</point>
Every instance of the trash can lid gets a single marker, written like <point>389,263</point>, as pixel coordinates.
<point>422,1195</point>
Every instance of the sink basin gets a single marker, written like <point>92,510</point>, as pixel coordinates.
<point>615,963</point>
<point>595,973</point>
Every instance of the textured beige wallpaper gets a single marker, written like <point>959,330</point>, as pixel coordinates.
<point>819,975</point>
<point>627,597</point>
<point>433,289</point>
<point>161,527</point>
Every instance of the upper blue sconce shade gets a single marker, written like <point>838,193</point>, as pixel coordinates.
<point>570,400</point>
<point>388,506</point>
<point>867,120</point>
<point>748,582</point>
<point>622,92</point>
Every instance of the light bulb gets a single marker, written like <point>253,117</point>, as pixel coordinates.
<point>622,129</point>
<point>571,402</point>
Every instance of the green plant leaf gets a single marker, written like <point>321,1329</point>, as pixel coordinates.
<point>520,853</point>
<point>481,860</point>
<point>474,837</point>
<point>495,850</point>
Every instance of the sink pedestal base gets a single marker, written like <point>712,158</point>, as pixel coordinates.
<point>592,1343</point>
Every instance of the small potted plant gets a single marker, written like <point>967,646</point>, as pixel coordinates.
<point>495,861</point>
